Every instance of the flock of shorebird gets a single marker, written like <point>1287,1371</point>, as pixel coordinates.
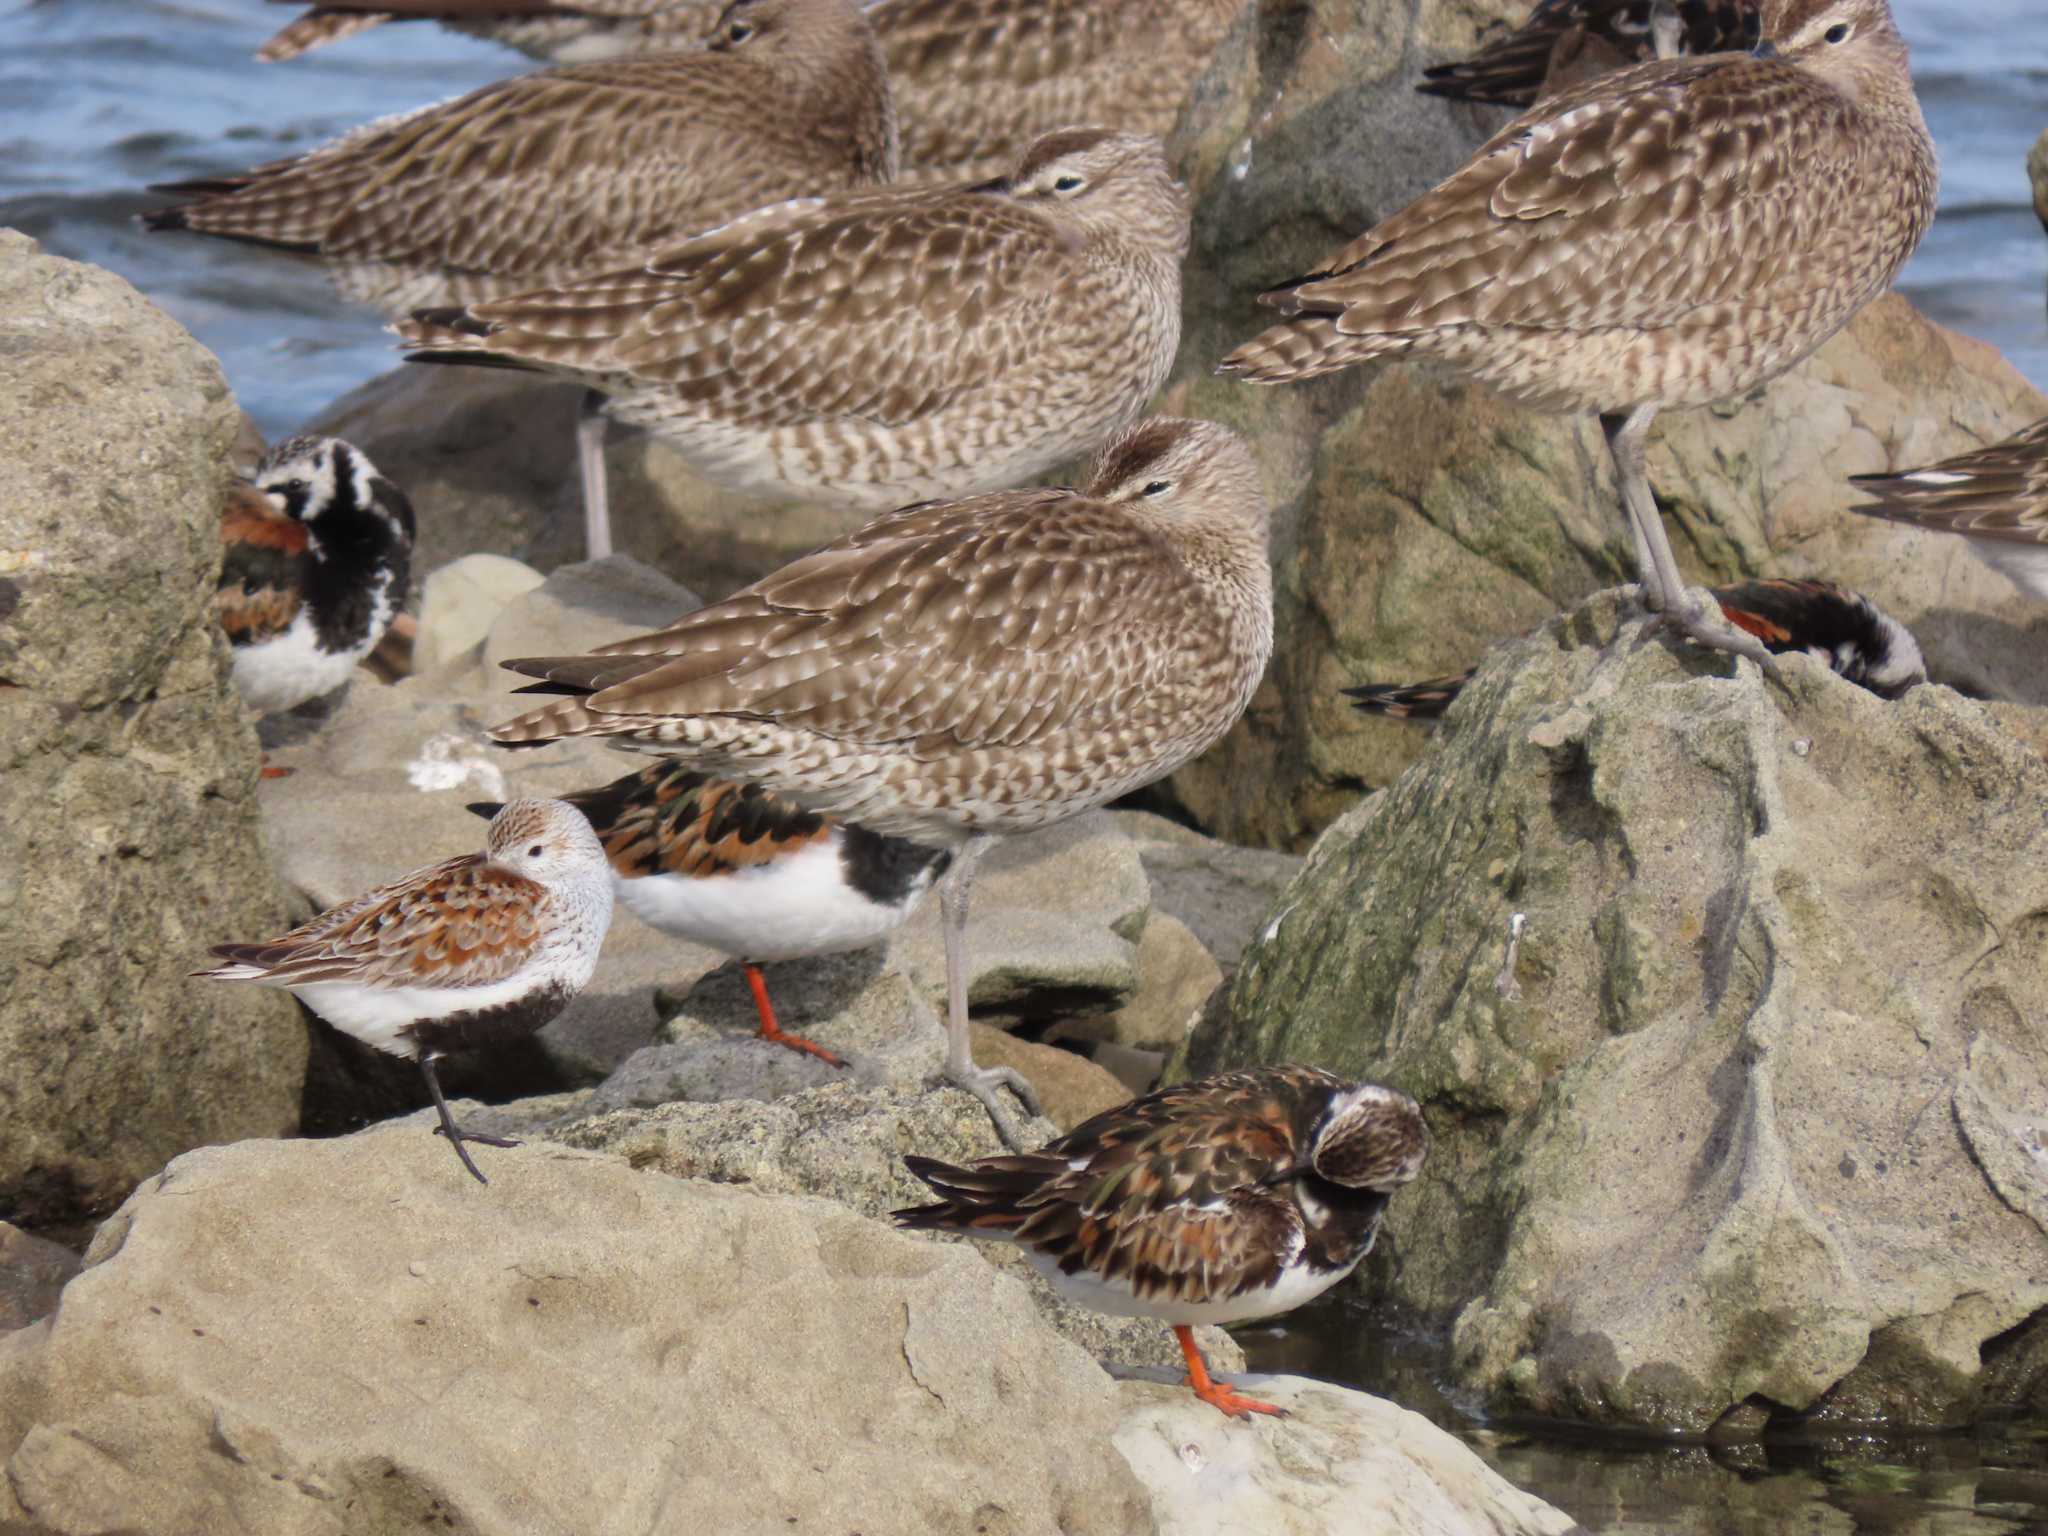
<point>922,252</point>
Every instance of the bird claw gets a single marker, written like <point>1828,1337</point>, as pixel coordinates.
<point>799,1044</point>
<point>1700,621</point>
<point>983,1082</point>
<point>1220,1397</point>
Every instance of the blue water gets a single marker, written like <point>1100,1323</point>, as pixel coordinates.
<point>100,97</point>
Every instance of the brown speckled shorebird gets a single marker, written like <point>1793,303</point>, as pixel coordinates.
<point>1566,41</point>
<point>579,169</point>
<point>1670,235</point>
<point>953,672</point>
<point>1995,497</point>
<point>873,348</point>
<point>975,80</point>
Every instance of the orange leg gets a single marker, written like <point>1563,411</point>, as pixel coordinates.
<point>1208,1391</point>
<point>265,770</point>
<point>770,1030</point>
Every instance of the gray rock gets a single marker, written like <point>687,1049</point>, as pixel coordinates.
<point>460,601</point>
<point>1697,1132</point>
<point>1176,976</point>
<point>317,1338</point>
<point>2037,174</point>
<point>1222,892</point>
<point>1341,1462</point>
<point>127,763</point>
<point>32,1271</point>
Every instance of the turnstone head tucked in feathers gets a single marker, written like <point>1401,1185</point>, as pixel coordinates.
<point>471,952</point>
<point>317,552</point>
<point>1563,42</point>
<point>1230,1198</point>
<point>737,869</point>
<point>1995,497</point>
<point>955,671</point>
<point>1857,639</point>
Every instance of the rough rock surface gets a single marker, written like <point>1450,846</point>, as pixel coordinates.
<point>32,1271</point>
<point>1222,892</point>
<point>1752,1116</point>
<point>579,1348</point>
<point>1419,520</point>
<point>127,763</point>
<point>1341,1462</point>
<point>846,1142</point>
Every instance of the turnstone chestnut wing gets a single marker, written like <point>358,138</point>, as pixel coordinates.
<point>956,671</point>
<point>1565,41</point>
<point>558,31</point>
<point>1668,235</point>
<point>471,952</point>
<point>1856,639</point>
<point>866,349</point>
<point>751,874</point>
<point>316,556</point>
<point>1995,497</point>
<point>1217,1201</point>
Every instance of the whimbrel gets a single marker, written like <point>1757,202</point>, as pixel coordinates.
<point>1670,235</point>
<point>1222,1200</point>
<point>958,671</point>
<point>477,951</point>
<point>1995,497</point>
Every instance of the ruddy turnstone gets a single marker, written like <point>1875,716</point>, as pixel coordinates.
<point>750,874</point>
<point>316,555</point>
<point>957,671</point>
<point>471,952</point>
<point>1669,235</point>
<point>1857,639</point>
<point>1565,41</point>
<point>1995,497</point>
<point>1230,1198</point>
<point>869,348</point>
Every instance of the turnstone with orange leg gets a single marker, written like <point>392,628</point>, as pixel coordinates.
<point>317,553</point>
<point>1222,1200</point>
<point>953,672</point>
<point>1995,497</point>
<point>1670,235</point>
<point>1565,41</point>
<point>869,348</point>
<point>751,874</point>
<point>1845,630</point>
<point>472,952</point>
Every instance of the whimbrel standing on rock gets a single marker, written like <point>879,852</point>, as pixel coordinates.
<point>575,170</point>
<point>959,671</point>
<point>1672,234</point>
<point>1996,498</point>
<point>476,951</point>
<point>1566,41</point>
<point>873,348</point>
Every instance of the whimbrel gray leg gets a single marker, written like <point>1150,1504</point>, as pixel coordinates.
<point>1667,29</point>
<point>982,1082</point>
<point>1664,590</point>
<point>456,1134</point>
<point>591,422</point>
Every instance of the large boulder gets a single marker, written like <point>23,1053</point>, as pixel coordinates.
<point>127,763</point>
<point>1722,1000</point>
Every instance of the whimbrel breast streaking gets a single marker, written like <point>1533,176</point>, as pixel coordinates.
<point>1221,1200</point>
<point>1564,42</point>
<point>473,952</point>
<point>1672,234</point>
<point>872,348</point>
<point>1995,497</point>
<point>957,671</point>
<point>751,874</point>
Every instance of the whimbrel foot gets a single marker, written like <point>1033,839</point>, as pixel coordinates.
<point>783,1037</point>
<point>1214,1392</point>
<point>983,1083</point>
<point>1701,622</point>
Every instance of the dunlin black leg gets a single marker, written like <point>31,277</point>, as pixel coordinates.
<point>456,1134</point>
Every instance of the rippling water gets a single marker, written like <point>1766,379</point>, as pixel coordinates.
<point>99,97</point>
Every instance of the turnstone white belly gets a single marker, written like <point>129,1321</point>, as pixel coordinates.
<point>471,952</point>
<point>1229,1198</point>
<point>316,554</point>
<point>1995,497</point>
<point>737,869</point>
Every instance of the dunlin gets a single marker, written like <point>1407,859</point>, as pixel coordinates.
<point>1996,498</point>
<point>957,671</point>
<point>472,952</point>
<point>317,551</point>
<point>1230,1198</point>
<point>872,348</point>
<point>734,868</point>
<point>1566,41</point>
<point>1843,630</point>
<point>1670,235</point>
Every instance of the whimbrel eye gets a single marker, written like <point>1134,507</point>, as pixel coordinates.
<point>739,31</point>
<point>1157,488</point>
<point>1838,33</point>
<point>1067,184</point>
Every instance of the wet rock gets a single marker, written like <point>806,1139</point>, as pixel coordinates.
<point>1750,1110</point>
<point>32,1271</point>
<point>127,762</point>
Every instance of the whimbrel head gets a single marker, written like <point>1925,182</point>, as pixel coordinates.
<point>1114,186</point>
<point>1852,44</point>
